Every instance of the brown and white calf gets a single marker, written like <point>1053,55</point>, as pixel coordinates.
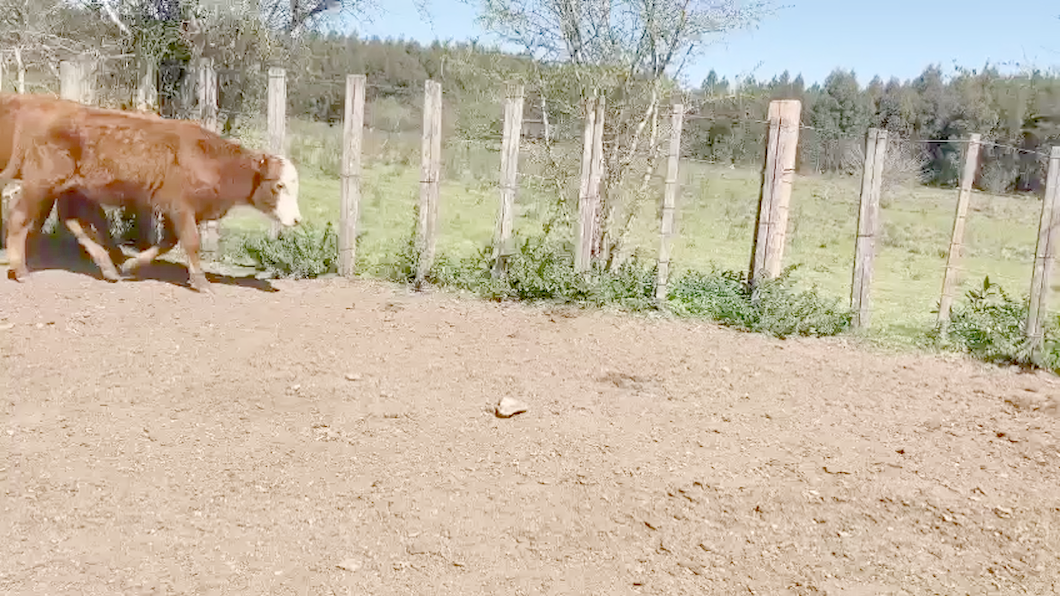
<point>18,109</point>
<point>176,167</point>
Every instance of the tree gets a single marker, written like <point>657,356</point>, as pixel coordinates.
<point>35,38</point>
<point>840,115</point>
<point>628,51</point>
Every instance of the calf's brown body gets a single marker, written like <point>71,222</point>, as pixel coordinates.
<point>17,111</point>
<point>175,167</point>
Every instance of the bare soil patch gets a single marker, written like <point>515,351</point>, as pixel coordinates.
<point>340,438</point>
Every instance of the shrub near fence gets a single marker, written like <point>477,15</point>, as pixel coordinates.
<point>505,255</point>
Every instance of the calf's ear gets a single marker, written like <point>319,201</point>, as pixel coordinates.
<point>269,167</point>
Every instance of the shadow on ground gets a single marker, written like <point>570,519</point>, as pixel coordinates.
<point>63,253</point>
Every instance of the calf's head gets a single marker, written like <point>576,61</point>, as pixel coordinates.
<point>277,193</point>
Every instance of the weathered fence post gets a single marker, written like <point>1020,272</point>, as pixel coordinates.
<point>591,175</point>
<point>89,66</point>
<point>70,80</point>
<point>868,226</point>
<point>352,134</point>
<point>77,79</point>
<point>209,231</point>
<point>1044,256</point>
<point>277,118</point>
<point>509,176</point>
<point>147,85</point>
<point>3,193</point>
<point>20,80</point>
<point>778,174</point>
<point>949,280</point>
<point>666,229</point>
<point>430,170</point>
<point>147,101</point>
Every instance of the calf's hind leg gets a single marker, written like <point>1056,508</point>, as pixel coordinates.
<point>165,244</point>
<point>72,209</point>
<point>25,213</point>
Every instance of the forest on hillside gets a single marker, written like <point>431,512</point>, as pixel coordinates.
<point>1018,115</point>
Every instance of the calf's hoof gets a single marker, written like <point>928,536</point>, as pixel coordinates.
<point>17,274</point>
<point>130,266</point>
<point>199,284</point>
<point>111,274</point>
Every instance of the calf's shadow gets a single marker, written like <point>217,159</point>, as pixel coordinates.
<point>49,252</point>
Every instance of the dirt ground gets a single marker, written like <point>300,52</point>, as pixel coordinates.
<point>333,437</point>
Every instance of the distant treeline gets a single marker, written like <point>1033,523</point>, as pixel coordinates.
<point>1020,111</point>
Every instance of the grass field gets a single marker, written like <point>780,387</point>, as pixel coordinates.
<point>716,213</point>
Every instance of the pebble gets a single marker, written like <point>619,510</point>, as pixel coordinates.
<point>509,407</point>
<point>350,565</point>
<point>353,377</point>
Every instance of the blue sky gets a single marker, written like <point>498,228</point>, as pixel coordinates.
<point>896,38</point>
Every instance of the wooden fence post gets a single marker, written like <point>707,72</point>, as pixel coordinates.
<point>868,226</point>
<point>583,247</point>
<point>1044,256</point>
<point>89,71</point>
<point>352,135</point>
<point>666,229</point>
<point>509,176</point>
<point>209,231</point>
<point>20,80</point>
<point>147,101</point>
<point>277,118</point>
<point>147,85</point>
<point>949,280</point>
<point>430,170</point>
<point>778,174</point>
<point>69,80</point>
<point>591,175</point>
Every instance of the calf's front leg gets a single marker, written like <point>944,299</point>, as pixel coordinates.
<point>188,229</point>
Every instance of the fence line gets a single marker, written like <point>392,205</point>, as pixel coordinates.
<point>769,241</point>
<point>509,176</point>
<point>868,225</point>
<point>949,280</point>
<point>277,119</point>
<point>350,205</point>
<point>208,106</point>
<point>767,252</point>
<point>1044,256</point>
<point>666,227</point>
<point>430,169</point>
<point>591,177</point>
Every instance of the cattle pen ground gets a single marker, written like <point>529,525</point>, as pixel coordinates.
<point>337,437</point>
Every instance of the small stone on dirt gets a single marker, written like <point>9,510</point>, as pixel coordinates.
<point>1003,512</point>
<point>353,377</point>
<point>350,565</point>
<point>7,326</point>
<point>509,407</point>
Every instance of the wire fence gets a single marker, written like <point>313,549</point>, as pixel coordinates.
<point>716,204</point>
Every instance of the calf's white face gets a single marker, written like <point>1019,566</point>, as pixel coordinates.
<point>287,211</point>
